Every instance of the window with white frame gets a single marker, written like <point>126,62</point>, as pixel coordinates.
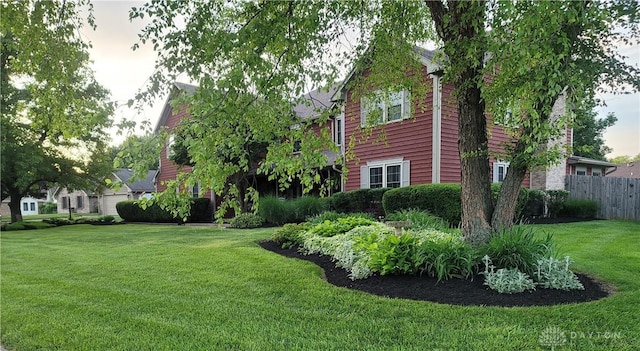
<point>339,129</point>
<point>25,206</point>
<point>500,171</point>
<point>596,172</point>
<point>195,190</point>
<point>32,206</point>
<point>170,141</point>
<point>392,173</point>
<point>385,109</point>
<point>580,170</point>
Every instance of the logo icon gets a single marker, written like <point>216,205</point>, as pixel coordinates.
<point>552,337</point>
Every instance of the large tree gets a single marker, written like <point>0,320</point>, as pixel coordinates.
<point>54,113</point>
<point>588,131</point>
<point>503,56</point>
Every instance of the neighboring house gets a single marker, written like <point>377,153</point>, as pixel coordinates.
<point>29,205</point>
<point>127,191</point>
<point>577,165</point>
<point>627,170</point>
<point>77,201</point>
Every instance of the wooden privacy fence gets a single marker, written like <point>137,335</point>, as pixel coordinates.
<point>619,198</point>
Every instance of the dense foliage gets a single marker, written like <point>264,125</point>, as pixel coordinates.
<point>279,211</point>
<point>54,114</point>
<point>361,200</point>
<point>135,211</point>
<point>442,200</point>
<point>579,208</point>
<point>252,60</point>
<point>246,221</point>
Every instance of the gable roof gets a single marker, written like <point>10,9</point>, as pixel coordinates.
<point>319,99</point>
<point>627,170</point>
<point>142,185</point>
<point>424,55</point>
<point>572,160</point>
<point>166,111</point>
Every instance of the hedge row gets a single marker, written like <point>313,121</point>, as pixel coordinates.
<point>442,200</point>
<point>278,211</point>
<point>361,200</point>
<point>130,211</point>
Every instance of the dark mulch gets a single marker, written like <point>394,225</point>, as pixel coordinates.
<point>453,291</point>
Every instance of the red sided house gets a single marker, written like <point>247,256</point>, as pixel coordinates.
<point>421,143</point>
<point>421,139</point>
<point>171,118</point>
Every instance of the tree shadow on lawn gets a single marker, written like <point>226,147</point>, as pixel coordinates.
<point>452,291</point>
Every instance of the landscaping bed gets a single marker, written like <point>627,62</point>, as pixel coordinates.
<point>452,291</point>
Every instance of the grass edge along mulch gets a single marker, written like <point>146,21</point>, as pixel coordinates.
<point>453,291</point>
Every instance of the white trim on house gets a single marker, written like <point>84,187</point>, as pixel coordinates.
<point>500,169</point>
<point>387,108</point>
<point>437,130</point>
<point>581,169</point>
<point>386,170</point>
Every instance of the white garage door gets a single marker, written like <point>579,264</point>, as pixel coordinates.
<point>109,203</point>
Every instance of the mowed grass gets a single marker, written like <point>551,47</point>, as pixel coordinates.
<point>153,287</point>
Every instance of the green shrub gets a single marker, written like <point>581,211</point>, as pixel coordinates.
<point>57,221</point>
<point>521,203</point>
<point>339,226</point>
<point>246,221</point>
<point>48,208</point>
<point>26,226</point>
<point>535,204</point>
<point>556,200</point>
<point>419,220</point>
<point>517,248</point>
<point>130,211</point>
<point>361,200</point>
<point>446,258</point>
<point>307,206</point>
<point>395,255</point>
<point>579,208</point>
<point>289,234</point>
<point>201,211</point>
<point>333,216</point>
<point>441,200</point>
<point>275,210</point>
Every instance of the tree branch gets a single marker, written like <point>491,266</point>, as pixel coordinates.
<point>438,12</point>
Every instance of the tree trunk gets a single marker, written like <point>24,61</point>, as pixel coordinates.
<point>465,47</point>
<point>505,210</point>
<point>14,206</point>
<point>474,163</point>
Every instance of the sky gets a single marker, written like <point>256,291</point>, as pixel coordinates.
<point>124,71</point>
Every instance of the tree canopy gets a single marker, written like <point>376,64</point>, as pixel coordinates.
<point>278,50</point>
<point>54,114</point>
<point>588,130</point>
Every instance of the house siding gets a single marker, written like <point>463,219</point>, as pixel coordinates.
<point>169,169</point>
<point>412,140</point>
<point>405,139</point>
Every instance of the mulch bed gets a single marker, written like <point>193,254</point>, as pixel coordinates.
<point>453,291</point>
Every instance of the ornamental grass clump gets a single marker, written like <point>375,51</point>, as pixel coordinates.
<point>518,248</point>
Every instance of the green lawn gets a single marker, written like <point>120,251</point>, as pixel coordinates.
<point>153,287</point>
